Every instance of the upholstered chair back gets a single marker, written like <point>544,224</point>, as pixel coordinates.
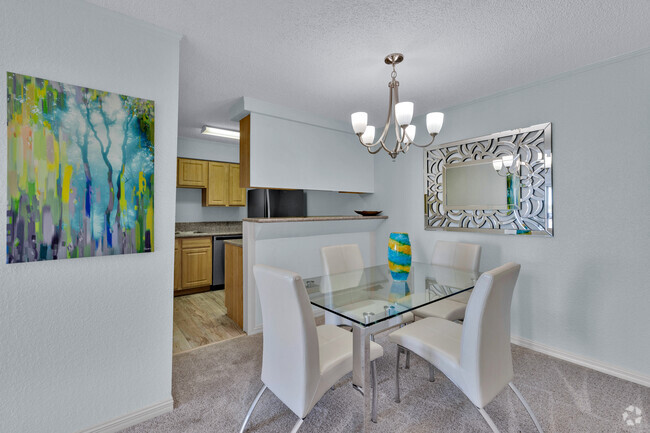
<point>290,360</point>
<point>459,255</point>
<point>337,259</point>
<point>486,357</point>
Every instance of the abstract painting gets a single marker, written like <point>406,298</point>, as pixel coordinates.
<point>80,171</point>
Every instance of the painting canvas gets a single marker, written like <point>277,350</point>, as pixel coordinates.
<point>80,171</point>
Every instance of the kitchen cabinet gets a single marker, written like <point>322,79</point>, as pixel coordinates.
<point>236,194</point>
<point>234,284</point>
<point>195,259</point>
<point>223,185</point>
<point>216,194</point>
<point>191,173</point>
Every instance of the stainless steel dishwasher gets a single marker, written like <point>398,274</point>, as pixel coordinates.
<point>218,259</point>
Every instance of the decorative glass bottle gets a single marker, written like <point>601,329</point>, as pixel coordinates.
<point>399,256</point>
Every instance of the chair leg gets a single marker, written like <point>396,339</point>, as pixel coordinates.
<point>250,410</point>
<point>297,425</point>
<point>407,365</point>
<point>431,377</point>
<point>488,419</point>
<point>397,376</point>
<point>530,411</point>
<point>373,372</point>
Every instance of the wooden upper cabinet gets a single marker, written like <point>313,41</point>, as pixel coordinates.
<point>216,193</point>
<point>192,173</point>
<point>220,181</point>
<point>236,194</point>
<point>245,152</point>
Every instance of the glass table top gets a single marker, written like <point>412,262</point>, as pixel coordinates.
<point>370,295</point>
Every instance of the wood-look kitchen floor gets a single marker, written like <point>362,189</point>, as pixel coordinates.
<point>201,319</point>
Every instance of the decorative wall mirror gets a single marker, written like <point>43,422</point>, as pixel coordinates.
<point>498,183</point>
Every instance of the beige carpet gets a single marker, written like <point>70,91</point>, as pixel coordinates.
<point>214,385</point>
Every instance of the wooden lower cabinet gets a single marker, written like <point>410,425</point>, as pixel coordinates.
<point>195,257</point>
<point>234,283</point>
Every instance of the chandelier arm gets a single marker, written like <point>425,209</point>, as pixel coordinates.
<point>374,151</point>
<point>371,145</point>
<point>382,137</point>
<point>433,137</point>
<point>399,132</point>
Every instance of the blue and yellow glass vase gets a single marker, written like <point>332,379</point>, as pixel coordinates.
<point>399,256</point>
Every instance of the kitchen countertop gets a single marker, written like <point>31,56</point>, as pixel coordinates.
<point>235,242</point>
<point>314,218</point>
<point>201,229</point>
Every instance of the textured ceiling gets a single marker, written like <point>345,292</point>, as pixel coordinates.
<point>326,57</point>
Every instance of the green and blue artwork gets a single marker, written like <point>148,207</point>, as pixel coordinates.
<point>80,171</point>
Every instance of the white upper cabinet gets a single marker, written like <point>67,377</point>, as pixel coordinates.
<point>293,150</point>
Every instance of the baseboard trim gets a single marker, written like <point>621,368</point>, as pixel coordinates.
<point>631,376</point>
<point>120,423</point>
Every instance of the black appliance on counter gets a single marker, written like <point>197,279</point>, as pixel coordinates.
<point>276,203</point>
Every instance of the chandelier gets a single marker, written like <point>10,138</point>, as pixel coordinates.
<point>401,114</point>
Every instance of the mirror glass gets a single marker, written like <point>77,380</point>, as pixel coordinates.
<point>476,185</point>
<point>464,192</point>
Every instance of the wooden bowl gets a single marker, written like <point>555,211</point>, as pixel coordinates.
<point>368,212</point>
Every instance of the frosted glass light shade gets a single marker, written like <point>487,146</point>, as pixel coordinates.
<point>369,135</point>
<point>497,164</point>
<point>507,160</point>
<point>359,121</point>
<point>434,122</point>
<point>410,132</point>
<point>403,113</point>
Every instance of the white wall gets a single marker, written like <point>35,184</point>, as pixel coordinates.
<point>188,200</point>
<point>327,203</point>
<point>584,291</point>
<point>87,340</point>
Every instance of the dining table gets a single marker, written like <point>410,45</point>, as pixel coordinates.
<point>373,299</point>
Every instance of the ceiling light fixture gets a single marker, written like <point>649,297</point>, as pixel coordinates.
<point>218,132</point>
<point>401,114</point>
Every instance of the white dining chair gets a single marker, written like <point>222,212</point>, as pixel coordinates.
<point>338,259</point>
<point>457,255</point>
<point>300,361</point>
<point>476,356</point>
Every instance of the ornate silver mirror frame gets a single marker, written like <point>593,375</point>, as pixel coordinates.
<point>531,151</point>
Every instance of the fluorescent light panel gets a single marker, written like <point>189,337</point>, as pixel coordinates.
<point>218,132</point>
